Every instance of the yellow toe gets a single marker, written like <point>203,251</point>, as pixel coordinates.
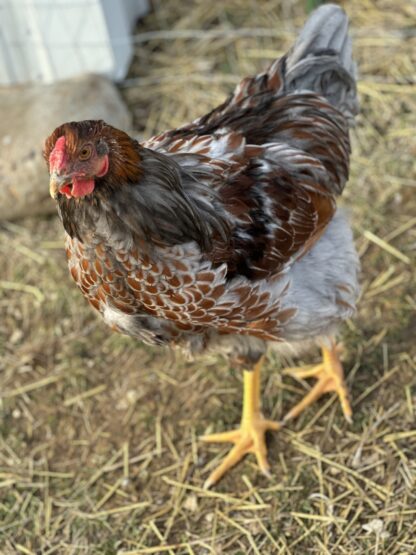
<point>330,378</point>
<point>249,438</point>
<point>222,437</point>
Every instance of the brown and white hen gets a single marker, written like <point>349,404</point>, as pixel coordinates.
<point>224,234</point>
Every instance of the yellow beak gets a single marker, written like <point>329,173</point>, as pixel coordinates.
<point>56,182</point>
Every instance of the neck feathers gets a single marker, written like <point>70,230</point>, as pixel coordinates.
<point>146,196</point>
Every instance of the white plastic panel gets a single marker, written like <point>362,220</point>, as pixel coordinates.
<point>49,40</point>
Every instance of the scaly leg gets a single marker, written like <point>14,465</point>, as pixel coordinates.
<point>330,376</point>
<point>250,437</point>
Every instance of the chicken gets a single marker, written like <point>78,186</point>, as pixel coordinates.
<point>224,234</point>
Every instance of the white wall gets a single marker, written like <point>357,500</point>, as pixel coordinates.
<point>49,40</point>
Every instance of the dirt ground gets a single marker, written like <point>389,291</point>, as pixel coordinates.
<point>99,450</point>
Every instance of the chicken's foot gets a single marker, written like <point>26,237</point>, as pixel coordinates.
<point>330,376</point>
<point>250,437</point>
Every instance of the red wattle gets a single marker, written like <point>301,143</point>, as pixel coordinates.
<point>66,190</point>
<point>82,187</point>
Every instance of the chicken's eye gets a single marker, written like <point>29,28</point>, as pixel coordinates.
<point>85,152</point>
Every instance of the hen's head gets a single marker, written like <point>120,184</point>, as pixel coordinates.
<point>88,154</point>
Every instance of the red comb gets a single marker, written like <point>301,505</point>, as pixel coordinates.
<point>57,157</point>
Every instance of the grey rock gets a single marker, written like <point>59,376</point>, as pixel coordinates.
<point>28,114</point>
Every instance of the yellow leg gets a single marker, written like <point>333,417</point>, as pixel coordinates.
<point>330,376</point>
<point>250,437</point>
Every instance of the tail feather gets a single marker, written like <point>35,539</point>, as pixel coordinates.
<point>321,59</point>
<point>326,29</point>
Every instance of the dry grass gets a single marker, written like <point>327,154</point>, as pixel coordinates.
<point>98,446</point>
